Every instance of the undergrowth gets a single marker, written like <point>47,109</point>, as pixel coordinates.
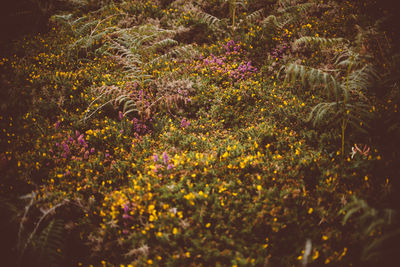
<point>201,133</point>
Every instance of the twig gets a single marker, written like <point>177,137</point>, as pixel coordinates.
<point>21,225</point>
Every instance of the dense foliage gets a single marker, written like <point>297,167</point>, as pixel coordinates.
<point>200,133</point>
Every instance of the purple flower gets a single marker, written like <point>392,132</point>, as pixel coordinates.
<point>170,166</point>
<point>165,158</point>
<point>120,115</point>
<point>92,150</point>
<point>57,125</point>
<point>185,123</point>
<point>155,157</point>
<point>126,212</point>
<point>81,140</point>
<point>66,148</point>
<point>126,208</point>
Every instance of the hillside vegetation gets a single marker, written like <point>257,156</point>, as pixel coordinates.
<point>200,133</point>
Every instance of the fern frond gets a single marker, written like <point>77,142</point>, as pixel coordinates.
<point>161,44</point>
<point>68,20</point>
<point>362,79</point>
<point>112,95</point>
<point>319,112</point>
<point>49,242</point>
<point>357,115</point>
<point>272,20</point>
<point>134,48</point>
<point>64,19</point>
<point>86,28</point>
<point>353,207</point>
<point>297,8</point>
<point>358,118</point>
<point>254,15</point>
<point>373,249</point>
<point>78,3</point>
<point>79,20</point>
<point>283,3</point>
<point>314,77</point>
<point>208,19</point>
<point>186,51</point>
<point>310,40</point>
<point>350,58</point>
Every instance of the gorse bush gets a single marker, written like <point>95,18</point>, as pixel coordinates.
<point>202,133</point>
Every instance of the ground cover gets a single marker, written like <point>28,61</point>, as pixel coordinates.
<point>185,133</point>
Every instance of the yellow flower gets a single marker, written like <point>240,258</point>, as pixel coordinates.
<point>300,257</point>
<point>316,255</point>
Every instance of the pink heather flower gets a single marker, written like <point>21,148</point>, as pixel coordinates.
<point>81,140</point>
<point>120,115</point>
<point>155,157</point>
<point>185,123</point>
<point>66,148</point>
<point>126,208</point>
<point>126,212</point>
<point>165,158</point>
